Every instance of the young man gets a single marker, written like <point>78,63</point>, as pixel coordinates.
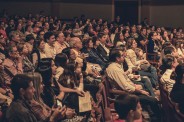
<point>50,50</point>
<point>128,107</point>
<point>23,91</point>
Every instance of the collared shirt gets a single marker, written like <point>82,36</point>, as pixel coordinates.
<point>116,73</point>
<point>50,51</point>
<point>19,112</point>
<point>105,48</point>
<point>11,68</point>
<point>59,47</point>
<point>166,80</point>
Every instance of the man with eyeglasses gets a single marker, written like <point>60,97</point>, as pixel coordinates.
<point>12,64</point>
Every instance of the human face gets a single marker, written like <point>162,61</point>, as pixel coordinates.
<point>90,44</point>
<point>14,54</point>
<point>103,39</point>
<point>134,44</point>
<point>78,44</point>
<point>68,38</point>
<point>53,66</point>
<point>72,55</point>
<point>25,50</point>
<point>2,40</point>
<point>16,38</point>
<point>154,37</point>
<point>42,45</point>
<point>29,92</point>
<point>144,31</point>
<point>122,57</point>
<point>138,111</point>
<point>78,70</point>
<point>51,40</point>
<point>61,38</point>
<point>121,36</point>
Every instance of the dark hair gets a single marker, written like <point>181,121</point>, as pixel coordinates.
<point>67,51</point>
<point>100,35</point>
<point>151,34</point>
<point>130,42</point>
<point>167,62</point>
<point>168,50</point>
<point>29,37</point>
<point>19,81</point>
<point>179,72</point>
<point>124,103</point>
<point>69,72</point>
<point>114,53</point>
<point>61,60</point>
<point>47,35</point>
<point>44,68</point>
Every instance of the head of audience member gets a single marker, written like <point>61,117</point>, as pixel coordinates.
<point>169,62</point>
<point>47,69</point>
<point>2,40</point>
<point>39,45</point>
<point>133,29</point>
<point>45,26</point>
<point>126,33</point>
<point>152,36</point>
<point>139,52</point>
<point>69,73</point>
<point>22,87</point>
<point>179,44</point>
<point>117,55</point>
<point>40,34</point>
<point>49,37</point>
<point>102,38</point>
<point>60,38</point>
<point>28,28</point>
<point>76,43</point>
<point>143,31</point>
<point>30,39</point>
<point>61,60</point>
<point>131,43</point>
<point>15,37</point>
<point>18,27</point>
<point>13,53</point>
<point>180,73</point>
<point>131,107</point>
<point>67,36</point>
<point>38,85</point>
<point>70,53</point>
<point>23,49</point>
<point>88,44</point>
<point>170,50</point>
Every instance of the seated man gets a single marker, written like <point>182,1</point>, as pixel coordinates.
<point>115,72</point>
<point>128,107</point>
<point>169,64</point>
<point>23,91</point>
<point>120,81</point>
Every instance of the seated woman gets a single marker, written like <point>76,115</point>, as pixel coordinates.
<point>41,111</point>
<point>38,52</point>
<point>24,53</point>
<point>72,78</point>
<point>133,61</point>
<point>169,63</point>
<point>177,92</point>
<point>61,61</point>
<point>92,56</point>
<point>132,109</point>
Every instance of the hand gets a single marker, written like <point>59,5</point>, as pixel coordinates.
<point>144,92</point>
<point>136,76</point>
<point>70,113</point>
<point>55,113</point>
<point>80,93</point>
<point>139,87</point>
